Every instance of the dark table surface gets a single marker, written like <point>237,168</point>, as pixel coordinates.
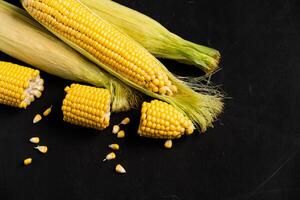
<point>252,153</point>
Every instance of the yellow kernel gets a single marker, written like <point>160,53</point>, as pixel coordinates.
<point>42,149</point>
<point>168,144</point>
<point>121,134</point>
<point>48,111</point>
<point>27,161</point>
<point>114,146</point>
<point>37,118</point>
<point>34,140</point>
<point>120,169</point>
<point>116,129</point>
<point>110,156</point>
<point>125,121</point>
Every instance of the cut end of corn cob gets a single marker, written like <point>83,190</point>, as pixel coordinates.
<point>19,85</point>
<point>161,120</point>
<point>113,50</point>
<point>87,106</point>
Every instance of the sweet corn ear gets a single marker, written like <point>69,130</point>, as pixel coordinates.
<point>87,106</point>
<point>102,42</point>
<point>161,120</point>
<point>19,86</point>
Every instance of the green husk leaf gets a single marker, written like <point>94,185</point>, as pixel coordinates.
<point>25,39</point>
<point>154,37</point>
<point>202,109</point>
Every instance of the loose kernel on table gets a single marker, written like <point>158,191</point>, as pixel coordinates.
<point>114,146</point>
<point>125,121</point>
<point>120,169</point>
<point>34,140</point>
<point>168,144</point>
<point>110,156</point>
<point>27,161</point>
<point>121,134</point>
<point>48,111</point>
<point>37,118</point>
<point>116,129</point>
<point>42,149</point>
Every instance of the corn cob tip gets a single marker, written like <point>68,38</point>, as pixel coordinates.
<point>162,120</point>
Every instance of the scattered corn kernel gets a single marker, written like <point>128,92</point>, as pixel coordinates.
<point>34,140</point>
<point>114,146</point>
<point>121,134</point>
<point>42,149</point>
<point>27,161</point>
<point>120,169</point>
<point>37,118</point>
<point>110,156</point>
<point>48,111</point>
<point>125,121</point>
<point>168,144</point>
<point>116,129</point>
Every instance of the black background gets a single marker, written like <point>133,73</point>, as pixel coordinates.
<point>252,153</point>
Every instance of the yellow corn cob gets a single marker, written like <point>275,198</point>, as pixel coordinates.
<point>87,106</point>
<point>154,37</point>
<point>19,85</point>
<point>124,58</point>
<point>75,23</point>
<point>25,39</point>
<point>161,120</point>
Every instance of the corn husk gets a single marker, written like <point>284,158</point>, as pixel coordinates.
<point>201,108</point>
<point>154,37</point>
<point>25,39</point>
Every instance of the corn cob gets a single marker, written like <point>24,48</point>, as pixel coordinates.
<point>87,106</point>
<point>161,120</point>
<point>77,25</point>
<point>19,85</point>
<point>25,39</point>
<point>118,54</point>
<point>154,37</point>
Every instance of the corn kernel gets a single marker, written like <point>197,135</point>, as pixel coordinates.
<point>125,121</point>
<point>27,161</point>
<point>116,129</point>
<point>121,134</point>
<point>47,111</point>
<point>34,140</point>
<point>168,144</point>
<point>37,118</point>
<point>42,149</point>
<point>114,146</point>
<point>110,156</point>
<point>120,169</point>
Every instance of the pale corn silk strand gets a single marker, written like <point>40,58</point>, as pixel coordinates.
<point>202,109</point>
<point>154,37</point>
<point>25,39</point>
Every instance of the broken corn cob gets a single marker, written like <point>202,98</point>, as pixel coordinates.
<point>87,106</point>
<point>25,39</point>
<point>19,85</point>
<point>101,42</point>
<point>163,121</point>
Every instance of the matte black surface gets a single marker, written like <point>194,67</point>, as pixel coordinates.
<point>252,153</point>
